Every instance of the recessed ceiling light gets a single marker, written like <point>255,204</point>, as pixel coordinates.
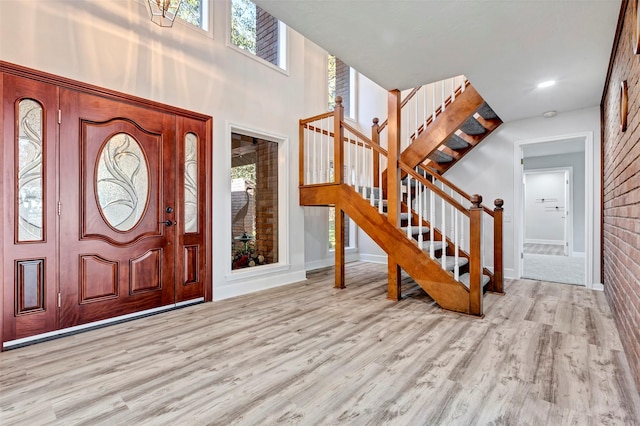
<point>547,83</point>
<point>549,114</point>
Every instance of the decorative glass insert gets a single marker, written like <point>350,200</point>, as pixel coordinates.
<point>30,158</point>
<point>122,182</point>
<point>190,183</point>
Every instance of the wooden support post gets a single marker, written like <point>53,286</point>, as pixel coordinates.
<point>498,268</point>
<point>339,247</point>
<point>393,187</point>
<point>338,142</point>
<point>301,160</point>
<point>338,177</point>
<point>375,138</point>
<point>475,255</point>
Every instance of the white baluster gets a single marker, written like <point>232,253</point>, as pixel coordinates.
<point>380,207</point>
<point>371,196</point>
<point>456,270</point>
<point>464,83</point>
<point>443,231</point>
<point>420,207</point>
<point>453,89</point>
<point>424,107</point>
<point>409,215</point>
<point>442,96</point>
<point>432,222</point>
<point>433,103</point>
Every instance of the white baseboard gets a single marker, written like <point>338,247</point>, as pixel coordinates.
<point>551,242</point>
<point>330,261</point>
<point>253,284</point>
<point>373,258</point>
<point>510,274</point>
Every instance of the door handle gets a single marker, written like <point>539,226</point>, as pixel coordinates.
<point>168,222</point>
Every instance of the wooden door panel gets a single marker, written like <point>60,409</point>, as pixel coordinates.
<point>123,262</point>
<point>29,168</point>
<point>192,199</point>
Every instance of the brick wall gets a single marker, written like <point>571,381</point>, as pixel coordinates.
<point>343,82</point>
<point>266,36</point>
<point>621,190</point>
<point>267,200</point>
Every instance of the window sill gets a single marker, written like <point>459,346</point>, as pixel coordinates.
<point>257,59</point>
<point>255,271</point>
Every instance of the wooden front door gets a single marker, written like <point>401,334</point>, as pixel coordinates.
<point>118,211</point>
<point>104,207</point>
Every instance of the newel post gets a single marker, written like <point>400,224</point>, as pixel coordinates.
<point>393,187</point>
<point>338,177</point>
<point>375,138</point>
<point>497,247</point>
<point>475,255</point>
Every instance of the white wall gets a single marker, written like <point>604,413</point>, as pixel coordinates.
<point>488,170</point>
<point>114,45</point>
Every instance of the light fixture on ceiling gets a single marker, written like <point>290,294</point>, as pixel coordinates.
<point>164,12</point>
<point>547,83</point>
<point>549,114</point>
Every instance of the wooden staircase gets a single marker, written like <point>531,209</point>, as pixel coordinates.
<point>341,167</point>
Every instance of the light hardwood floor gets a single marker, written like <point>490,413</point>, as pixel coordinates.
<point>309,354</point>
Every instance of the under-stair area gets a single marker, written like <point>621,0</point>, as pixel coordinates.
<point>391,186</point>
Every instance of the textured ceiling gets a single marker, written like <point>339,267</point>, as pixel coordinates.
<point>504,47</point>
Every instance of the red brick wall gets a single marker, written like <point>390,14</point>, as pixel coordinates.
<point>621,188</point>
<point>266,36</point>
<point>267,200</point>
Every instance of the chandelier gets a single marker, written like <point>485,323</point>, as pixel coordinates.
<point>163,12</point>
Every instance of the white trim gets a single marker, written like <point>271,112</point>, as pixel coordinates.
<point>259,283</point>
<point>510,274</point>
<point>597,287</point>
<point>549,242</point>
<point>373,258</point>
<point>590,200</point>
<point>577,254</point>
<point>95,324</point>
<point>327,262</point>
<point>283,263</point>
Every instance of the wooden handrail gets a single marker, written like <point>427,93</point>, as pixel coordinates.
<point>316,117</point>
<point>365,139</point>
<point>429,120</point>
<point>457,189</point>
<point>317,130</point>
<point>433,188</point>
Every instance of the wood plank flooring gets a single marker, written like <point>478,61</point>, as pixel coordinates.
<point>312,355</point>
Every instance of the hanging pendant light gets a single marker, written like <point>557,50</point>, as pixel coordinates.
<point>163,12</point>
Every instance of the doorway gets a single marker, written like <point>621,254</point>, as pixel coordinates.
<point>553,210</point>
<point>109,201</point>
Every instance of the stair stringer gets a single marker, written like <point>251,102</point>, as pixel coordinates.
<point>438,283</point>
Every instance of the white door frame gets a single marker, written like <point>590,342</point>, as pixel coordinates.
<point>591,202</point>
<point>567,206</point>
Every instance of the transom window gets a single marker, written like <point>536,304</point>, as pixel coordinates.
<point>195,12</point>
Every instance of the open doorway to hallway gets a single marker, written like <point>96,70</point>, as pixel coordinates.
<point>553,211</point>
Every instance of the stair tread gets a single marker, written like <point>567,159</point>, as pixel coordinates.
<point>450,263</point>
<point>486,112</point>
<point>415,230</point>
<point>440,157</point>
<point>472,127</point>
<point>465,279</point>
<point>456,142</point>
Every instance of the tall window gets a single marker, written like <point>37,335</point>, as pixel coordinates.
<point>195,12</point>
<point>340,83</point>
<point>254,201</point>
<point>257,32</point>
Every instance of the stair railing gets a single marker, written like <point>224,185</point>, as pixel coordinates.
<point>317,149</point>
<point>491,218</point>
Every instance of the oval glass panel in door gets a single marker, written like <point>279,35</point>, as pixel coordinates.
<point>190,183</point>
<point>30,154</point>
<point>122,182</point>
